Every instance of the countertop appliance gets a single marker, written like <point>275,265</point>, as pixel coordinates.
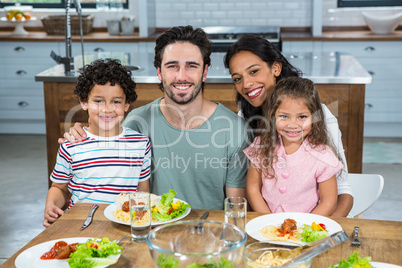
<point>222,37</point>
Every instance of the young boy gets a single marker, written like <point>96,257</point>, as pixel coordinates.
<point>112,159</point>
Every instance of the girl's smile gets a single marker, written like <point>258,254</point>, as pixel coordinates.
<point>293,121</point>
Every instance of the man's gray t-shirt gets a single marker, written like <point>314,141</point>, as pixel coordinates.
<point>197,163</point>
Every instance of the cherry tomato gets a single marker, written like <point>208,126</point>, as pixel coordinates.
<point>170,210</point>
<point>94,245</point>
<point>323,226</point>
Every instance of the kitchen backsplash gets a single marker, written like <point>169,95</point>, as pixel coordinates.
<point>289,13</point>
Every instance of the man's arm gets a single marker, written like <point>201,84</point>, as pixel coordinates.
<point>240,192</point>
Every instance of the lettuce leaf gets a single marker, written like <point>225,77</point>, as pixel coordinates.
<point>160,217</point>
<point>309,234</point>
<point>87,256</point>
<point>354,260</point>
<point>223,263</point>
<point>169,262</point>
<point>176,213</point>
<point>165,202</point>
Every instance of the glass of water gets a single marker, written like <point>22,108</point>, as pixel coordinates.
<point>236,211</point>
<point>140,215</point>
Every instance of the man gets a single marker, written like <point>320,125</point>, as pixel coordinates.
<point>197,145</point>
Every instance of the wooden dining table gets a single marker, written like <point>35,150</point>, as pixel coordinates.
<point>382,240</point>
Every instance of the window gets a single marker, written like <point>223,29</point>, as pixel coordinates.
<point>58,3</point>
<point>369,3</point>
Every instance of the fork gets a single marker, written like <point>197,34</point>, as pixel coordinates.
<point>121,239</point>
<point>356,242</point>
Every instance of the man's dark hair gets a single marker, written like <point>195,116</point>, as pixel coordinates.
<point>183,34</point>
<point>102,71</point>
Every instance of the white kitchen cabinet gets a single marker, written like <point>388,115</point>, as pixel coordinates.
<point>383,60</point>
<point>21,98</point>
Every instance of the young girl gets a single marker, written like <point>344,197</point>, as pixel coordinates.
<point>293,167</point>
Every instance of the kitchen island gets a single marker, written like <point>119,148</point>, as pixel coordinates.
<point>339,77</point>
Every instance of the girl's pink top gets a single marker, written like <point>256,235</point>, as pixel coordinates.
<point>295,188</point>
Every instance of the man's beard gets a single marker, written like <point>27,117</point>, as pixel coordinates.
<point>178,98</point>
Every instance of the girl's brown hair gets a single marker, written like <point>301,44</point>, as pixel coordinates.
<point>295,88</point>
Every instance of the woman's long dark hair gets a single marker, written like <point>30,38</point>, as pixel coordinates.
<point>268,53</point>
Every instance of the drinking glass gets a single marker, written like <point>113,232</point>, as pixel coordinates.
<point>236,211</point>
<point>140,215</point>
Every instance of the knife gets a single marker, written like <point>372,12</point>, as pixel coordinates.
<point>89,218</point>
<point>203,217</point>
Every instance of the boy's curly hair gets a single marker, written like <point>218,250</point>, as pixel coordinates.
<point>102,71</point>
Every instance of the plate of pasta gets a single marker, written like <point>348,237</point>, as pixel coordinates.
<point>176,210</point>
<point>272,228</point>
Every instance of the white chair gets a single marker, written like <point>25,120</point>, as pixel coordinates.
<point>366,188</point>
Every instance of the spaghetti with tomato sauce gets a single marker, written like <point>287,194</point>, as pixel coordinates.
<point>287,231</point>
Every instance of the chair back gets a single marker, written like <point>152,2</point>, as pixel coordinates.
<point>366,188</point>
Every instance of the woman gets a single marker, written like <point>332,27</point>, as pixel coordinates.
<point>256,66</point>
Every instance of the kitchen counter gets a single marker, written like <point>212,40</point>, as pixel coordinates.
<point>96,36</point>
<point>326,68</point>
<point>287,34</point>
<point>340,34</point>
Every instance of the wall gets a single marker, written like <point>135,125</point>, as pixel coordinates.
<point>333,16</point>
<point>236,12</point>
<point>289,13</point>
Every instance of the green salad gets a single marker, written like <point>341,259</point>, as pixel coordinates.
<point>94,253</point>
<point>165,209</point>
<point>354,261</point>
<point>171,262</point>
<point>313,232</point>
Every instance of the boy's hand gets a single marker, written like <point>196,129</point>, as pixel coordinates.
<point>52,213</point>
<point>76,134</point>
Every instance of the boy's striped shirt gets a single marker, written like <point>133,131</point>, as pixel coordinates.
<point>99,168</point>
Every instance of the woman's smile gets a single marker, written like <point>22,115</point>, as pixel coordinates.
<point>252,77</point>
<point>255,93</point>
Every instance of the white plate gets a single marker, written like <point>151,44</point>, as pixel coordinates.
<point>383,265</point>
<point>30,258</point>
<point>108,212</point>
<point>255,225</point>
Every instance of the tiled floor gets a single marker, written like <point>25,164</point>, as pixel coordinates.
<point>23,189</point>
